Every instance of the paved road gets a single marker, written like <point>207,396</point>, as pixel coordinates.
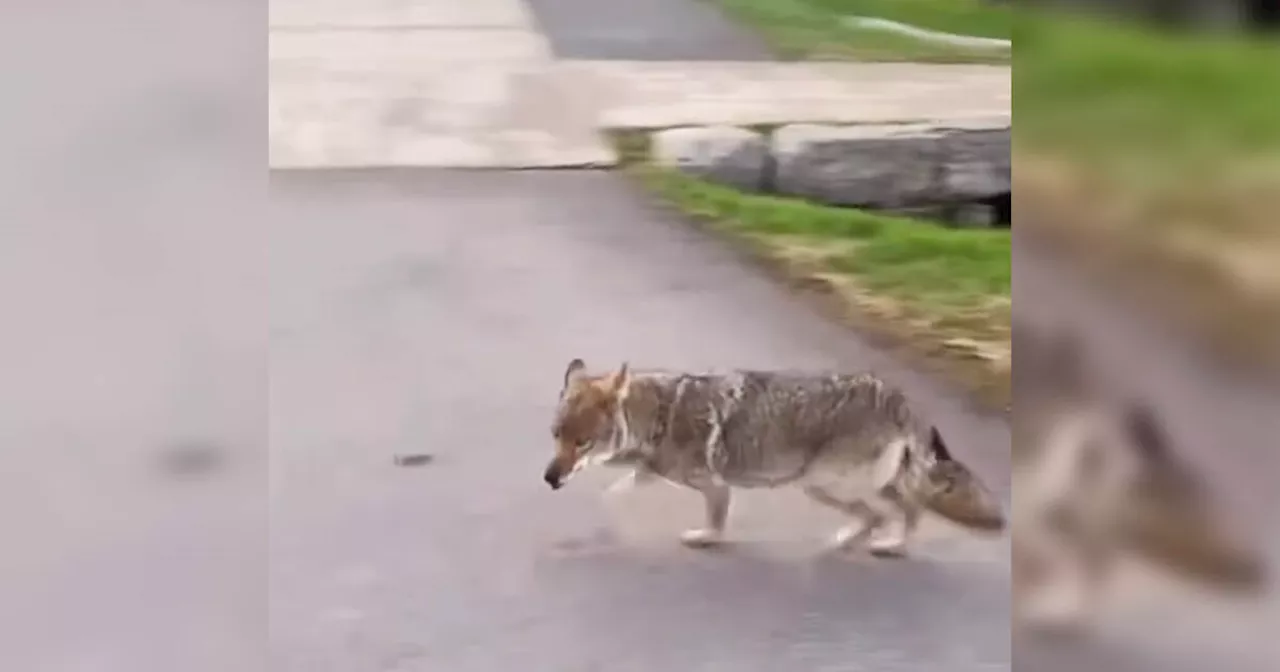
<point>457,298</point>
<point>435,312</point>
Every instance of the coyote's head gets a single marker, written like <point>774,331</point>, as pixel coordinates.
<point>1108,464</point>
<point>586,420</point>
<point>954,492</point>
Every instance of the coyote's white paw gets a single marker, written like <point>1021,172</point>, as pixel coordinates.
<point>701,538</point>
<point>888,547</point>
<point>850,536</point>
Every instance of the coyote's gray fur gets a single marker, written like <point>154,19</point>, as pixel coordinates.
<point>1094,478</point>
<point>850,442</point>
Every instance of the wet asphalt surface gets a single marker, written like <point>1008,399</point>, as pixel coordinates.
<point>423,312</point>
<point>435,312</point>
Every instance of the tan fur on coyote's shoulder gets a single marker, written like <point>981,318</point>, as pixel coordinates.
<point>849,441</point>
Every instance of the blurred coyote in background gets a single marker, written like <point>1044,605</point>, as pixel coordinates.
<point>1094,479</point>
<point>850,442</point>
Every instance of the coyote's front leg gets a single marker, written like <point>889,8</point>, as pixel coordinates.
<point>896,530</point>
<point>716,498</point>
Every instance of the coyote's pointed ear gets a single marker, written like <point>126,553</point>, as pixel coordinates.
<point>620,382</point>
<point>1164,473</point>
<point>574,372</point>
<point>937,446</point>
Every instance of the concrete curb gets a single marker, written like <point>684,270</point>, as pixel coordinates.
<point>949,171</point>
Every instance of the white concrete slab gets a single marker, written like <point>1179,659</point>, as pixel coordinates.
<point>322,14</point>
<point>656,95</point>
<point>463,119</point>
<point>454,99</point>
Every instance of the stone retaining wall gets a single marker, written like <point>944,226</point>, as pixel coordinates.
<point>911,168</point>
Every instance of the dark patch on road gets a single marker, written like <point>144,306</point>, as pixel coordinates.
<point>414,459</point>
<point>652,30</point>
<point>190,458</point>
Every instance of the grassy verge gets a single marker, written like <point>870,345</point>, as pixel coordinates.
<point>1136,102</point>
<point>814,29</point>
<point>938,294</point>
<point>1157,157</point>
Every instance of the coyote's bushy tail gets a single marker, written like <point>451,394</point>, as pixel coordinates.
<point>954,492</point>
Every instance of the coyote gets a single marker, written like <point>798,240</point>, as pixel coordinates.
<point>850,442</point>
<point>1094,479</point>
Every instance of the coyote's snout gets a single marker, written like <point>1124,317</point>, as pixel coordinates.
<point>552,476</point>
<point>849,442</point>
<point>1094,478</point>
